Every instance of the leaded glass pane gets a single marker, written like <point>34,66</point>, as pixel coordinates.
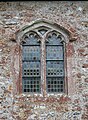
<point>31,64</point>
<point>31,69</point>
<point>31,39</point>
<point>55,84</point>
<point>54,52</point>
<point>55,68</point>
<point>31,52</point>
<point>31,84</point>
<point>54,63</point>
<point>54,39</point>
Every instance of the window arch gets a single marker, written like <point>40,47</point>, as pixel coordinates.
<point>43,31</point>
<point>43,68</point>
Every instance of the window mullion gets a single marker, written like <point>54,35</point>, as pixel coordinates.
<point>43,67</point>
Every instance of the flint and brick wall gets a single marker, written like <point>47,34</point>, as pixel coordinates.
<point>18,106</point>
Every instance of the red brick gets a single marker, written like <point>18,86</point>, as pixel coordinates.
<point>64,99</point>
<point>81,50</point>
<point>85,66</point>
<point>86,80</point>
<point>72,30</point>
<point>85,116</point>
<point>70,50</point>
<point>79,75</point>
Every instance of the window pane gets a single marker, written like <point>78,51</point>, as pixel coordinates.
<point>54,52</point>
<point>54,64</point>
<point>55,84</point>
<point>31,84</point>
<point>31,52</point>
<point>31,39</point>
<point>31,69</point>
<point>31,64</point>
<point>55,68</point>
<point>54,39</point>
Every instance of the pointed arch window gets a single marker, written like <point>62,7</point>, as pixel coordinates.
<point>43,61</point>
<point>54,63</point>
<point>31,64</point>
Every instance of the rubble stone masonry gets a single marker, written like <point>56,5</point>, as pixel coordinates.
<point>15,105</point>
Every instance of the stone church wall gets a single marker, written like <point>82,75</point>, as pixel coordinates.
<point>72,15</point>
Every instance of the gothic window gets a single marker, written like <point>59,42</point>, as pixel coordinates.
<point>55,63</point>
<point>43,61</point>
<point>31,63</point>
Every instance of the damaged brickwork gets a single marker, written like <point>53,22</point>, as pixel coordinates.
<point>72,17</point>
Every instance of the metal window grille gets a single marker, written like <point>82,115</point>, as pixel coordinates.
<point>54,64</point>
<point>31,64</point>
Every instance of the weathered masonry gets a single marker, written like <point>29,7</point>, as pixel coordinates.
<point>44,60</point>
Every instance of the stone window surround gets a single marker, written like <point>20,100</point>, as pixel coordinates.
<point>69,36</point>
